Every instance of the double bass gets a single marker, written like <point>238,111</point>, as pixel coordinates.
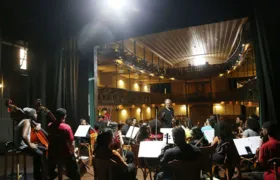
<point>36,136</point>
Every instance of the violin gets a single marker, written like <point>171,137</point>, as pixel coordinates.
<point>37,136</point>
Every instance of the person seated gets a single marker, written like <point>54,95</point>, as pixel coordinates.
<point>86,139</point>
<point>267,151</point>
<point>252,128</point>
<point>225,146</point>
<point>240,124</point>
<point>209,124</point>
<point>198,138</point>
<point>181,151</point>
<point>103,150</point>
<point>155,126</point>
<point>61,148</point>
<point>125,128</point>
<point>144,133</point>
<point>23,141</point>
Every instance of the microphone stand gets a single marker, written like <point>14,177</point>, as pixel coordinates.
<point>156,122</point>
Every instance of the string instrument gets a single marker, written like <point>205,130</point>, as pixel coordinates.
<point>36,136</point>
<point>46,111</point>
<point>121,144</point>
<point>93,135</point>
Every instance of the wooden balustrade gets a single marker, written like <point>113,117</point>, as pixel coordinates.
<point>115,96</point>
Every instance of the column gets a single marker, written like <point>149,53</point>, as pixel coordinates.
<point>93,91</point>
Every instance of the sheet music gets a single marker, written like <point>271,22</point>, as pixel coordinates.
<point>252,142</point>
<point>150,149</point>
<point>165,131</point>
<point>132,130</point>
<point>209,134</point>
<point>255,143</point>
<point>82,131</point>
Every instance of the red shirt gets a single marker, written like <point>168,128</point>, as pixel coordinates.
<point>269,150</point>
<point>107,117</point>
<point>60,140</point>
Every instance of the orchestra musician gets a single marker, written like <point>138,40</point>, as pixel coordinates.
<point>103,150</point>
<point>105,114</point>
<point>61,147</point>
<point>167,115</point>
<point>23,140</point>
<point>92,133</point>
<point>268,150</point>
<point>181,151</point>
<point>45,116</point>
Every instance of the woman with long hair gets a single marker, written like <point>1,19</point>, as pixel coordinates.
<point>144,133</point>
<point>103,151</point>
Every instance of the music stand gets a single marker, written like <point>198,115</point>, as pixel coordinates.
<point>82,131</point>
<point>150,149</point>
<point>209,135</point>
<point>247,146</point>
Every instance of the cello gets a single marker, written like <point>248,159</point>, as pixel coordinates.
<point>36,136</point>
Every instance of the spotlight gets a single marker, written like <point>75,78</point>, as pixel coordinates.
<point>116,4</point>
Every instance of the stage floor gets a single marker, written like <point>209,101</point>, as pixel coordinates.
<point>87,176</point>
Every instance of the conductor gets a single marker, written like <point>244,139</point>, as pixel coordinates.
<point>167,115</point>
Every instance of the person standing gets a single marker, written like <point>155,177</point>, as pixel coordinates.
<point>61,148</point>
<point>167,115</point>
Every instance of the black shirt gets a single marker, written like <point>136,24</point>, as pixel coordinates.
<point>166,117</point>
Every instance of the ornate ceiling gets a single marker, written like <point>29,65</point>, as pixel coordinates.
<point>214,42</point>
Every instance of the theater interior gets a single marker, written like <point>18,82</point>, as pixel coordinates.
<point>213,64</point>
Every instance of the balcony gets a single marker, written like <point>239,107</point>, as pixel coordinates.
<point>115,96</point>
<point>179,73</point>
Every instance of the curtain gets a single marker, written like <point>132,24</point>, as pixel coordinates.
<point>66,80</point>
<point>264,24</point>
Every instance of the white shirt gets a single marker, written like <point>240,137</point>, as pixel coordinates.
<point>19,143</point>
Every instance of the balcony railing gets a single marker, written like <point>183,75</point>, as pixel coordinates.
<point>184,73</point>
<point>114,96</point>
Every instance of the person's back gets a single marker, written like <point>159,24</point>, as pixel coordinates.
<point>60,140</point>
<point>182,152</point>
<point>61,149</point>
<point>250,133</point>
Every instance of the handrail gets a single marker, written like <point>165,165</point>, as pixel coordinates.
<point>115,96</point>
<point>181,73</point>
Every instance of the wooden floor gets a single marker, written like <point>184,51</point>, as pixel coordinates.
<point>87,176</point>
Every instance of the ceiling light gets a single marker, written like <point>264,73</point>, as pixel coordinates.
<point>221,75</point>
<point>161,77</point>
<point>243,45</point>
<point>141,71</point>
<point>151,74</point>
<point>172,79</point>
<point>116,4</point>
<point>228,71</point>
<point>199,61</point>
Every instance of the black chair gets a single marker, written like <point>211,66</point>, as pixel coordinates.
<point>15,154</point>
